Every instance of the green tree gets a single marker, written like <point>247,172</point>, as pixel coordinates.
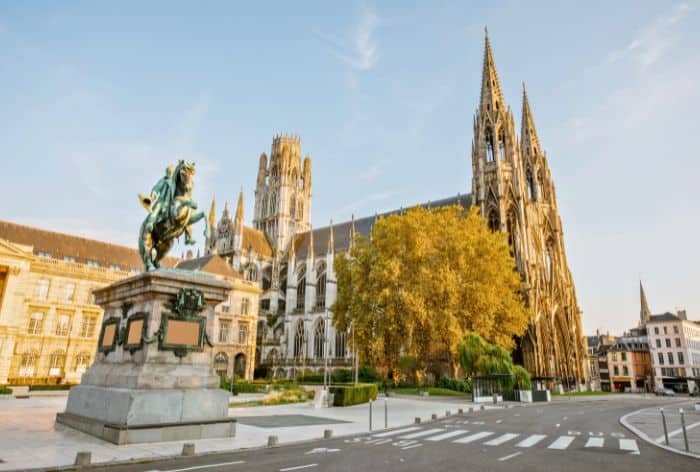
<point>421,282</point>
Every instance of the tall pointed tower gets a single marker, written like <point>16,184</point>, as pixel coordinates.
<point>513,187</point>
<point>283,192</point>
<point>645,312</point>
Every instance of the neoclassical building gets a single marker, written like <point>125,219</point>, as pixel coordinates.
<point>293,264</point>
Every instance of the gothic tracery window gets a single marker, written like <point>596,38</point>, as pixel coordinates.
<point>321,287</point>
<point>320,340</point>
<point>501,146</point>
<point>299,340</point>
<point>489,145</point>
<point>531,187</point>
<point>493,220</point>
<point>251,273</point>
<point>340,343</point>
<point>301,289</point>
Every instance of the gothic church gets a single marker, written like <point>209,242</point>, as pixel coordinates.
<point>511,184</point>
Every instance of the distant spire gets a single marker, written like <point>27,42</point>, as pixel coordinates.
<point>645,313</point>
<point>212,214</point>
<point>331,242</point>
<point>490,85</point>
<point>351,242</point>
<point>225,215</point>
<point>239,208</point>
<point>528,132</point>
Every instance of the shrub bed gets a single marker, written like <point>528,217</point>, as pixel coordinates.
<point>51,387</point>
<point>346,395</point>
<point>5,391</point>
<point>455,384</point>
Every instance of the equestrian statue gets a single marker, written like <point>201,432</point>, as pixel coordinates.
<point>171,212</point>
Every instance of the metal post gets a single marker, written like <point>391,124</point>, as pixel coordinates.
<point>685,433</point>
<point>663,420</point>
<point>370,415</point>
<point>386,414</point>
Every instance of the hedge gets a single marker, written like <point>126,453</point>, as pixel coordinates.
<point>455,384</point>
<point>51,387</point>
<point>5,391</point>
<point>347,395</point>
<point>242,387</point>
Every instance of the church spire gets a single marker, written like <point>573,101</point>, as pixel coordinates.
<point>645,313</point>
<point>528,132</point>
<point>491,93</point>
<point>225,214</point>
<point>239,209</point>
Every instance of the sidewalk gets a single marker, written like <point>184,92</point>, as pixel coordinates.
<point>29,437</point>
<point>647,424</point>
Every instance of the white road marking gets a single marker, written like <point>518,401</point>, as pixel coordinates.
<point>473,437</point>
<point>501,439</point>
<point>396,431</point>
<point>557,425</point>
<point>499,421</point>
<point>595,442</point>
<point>383,441</point>
<point>478,422</point>
<point>449,434</point>
<point>629,445</point>
<point>574,433</point>
<point>196,467</point>
<point>299,467</point>
<point>531,441</point>
<point>403,443</point>
<point>565,418</point>
<point>411,447</point>
<point>595,434</point>
<point>510,456</point>
<point>420,434</point>
<point>617,435</point>
<point>562,442</point>
<point>678,431</point>
<point>321,450</point>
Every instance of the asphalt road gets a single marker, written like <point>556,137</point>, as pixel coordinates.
<point>576,435</point>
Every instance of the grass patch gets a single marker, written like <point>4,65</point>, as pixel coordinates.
<point>280,395</point>
<point>581,394</point>
<point>433,391</point>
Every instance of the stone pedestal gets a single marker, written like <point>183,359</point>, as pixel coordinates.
<point>153,379</point>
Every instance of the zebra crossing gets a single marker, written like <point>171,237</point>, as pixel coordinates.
<point>413,436</point>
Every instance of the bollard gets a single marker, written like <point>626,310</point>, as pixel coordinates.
<point>460,411</point>
<point>448,413</point>
<point>433,416</point>
<point>386,414</point>
<point>685,433</point>
<point>83,459</point>
<point>663,420</point>
<point>416,420</point>
<point>482,408</point>
<point>370,415</point>
<point>327,433</point>
<point>495,398</point>
<point>271,441</point>
<point>188,449</point>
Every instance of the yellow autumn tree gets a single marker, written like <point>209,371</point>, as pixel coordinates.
<point>421,281</point>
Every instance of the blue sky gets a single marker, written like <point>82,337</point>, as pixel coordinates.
<point>97,98</point>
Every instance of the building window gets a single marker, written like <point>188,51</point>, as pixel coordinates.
<point>69,292</point>
<point>681,359</point>
<point>251,273</point>
<point>624,356</point>
<point>494,223</point>
<point>244,306</point>
<point>224,327</point>
<point>320,340</point>
<point>57,361</point>
<point>656,330</point>
<point>665,329</point>
<point>301,290</point>
<point>531,187</point>
<point>299,340</point>
<point>82,362</point>
<point>62,325</point>
<point>675,329</point>
<point>668,342</point>
<point>42,289</point>
<point>625,371</point>
<point>69,258</point>
<point>36,321</point>
<point>489,145</point>
<point>658,342</point>
<point>27,365</point>
<point>614,356</point>
<point>616,370</point>
<point>502,147</point>
<point>243,334</point>
<point>670,358</point>
<point>92,263</point>
<point>265,305</point>
<point>87,327</point>
<point>43,254</point>
<point>321,287</point>
<point>221,364</point>
<point>340,343</point>
<point>661,358</point>
<point>678,342</point>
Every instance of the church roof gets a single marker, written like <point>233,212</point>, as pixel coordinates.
<point>257,240</point>
<point>211,264</point>
<point>61,245</point>
<point>363,226</point>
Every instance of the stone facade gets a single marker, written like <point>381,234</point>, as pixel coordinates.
<point>293,264</point>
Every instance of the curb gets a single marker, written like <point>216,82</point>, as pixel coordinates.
<point>644,437</point>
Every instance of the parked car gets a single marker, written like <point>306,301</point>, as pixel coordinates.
<point>664,392</point>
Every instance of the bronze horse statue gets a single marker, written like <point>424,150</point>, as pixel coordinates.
<point>171,212</point>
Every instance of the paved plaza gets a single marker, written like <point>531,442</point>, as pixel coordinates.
<point>29,437</point>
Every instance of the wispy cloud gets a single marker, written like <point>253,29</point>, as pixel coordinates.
<point>654,41</point>
<point>364,201</point>
<point>371,173</point>
<point>360,50</point>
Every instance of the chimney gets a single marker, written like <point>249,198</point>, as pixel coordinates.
<point>682,314</point>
